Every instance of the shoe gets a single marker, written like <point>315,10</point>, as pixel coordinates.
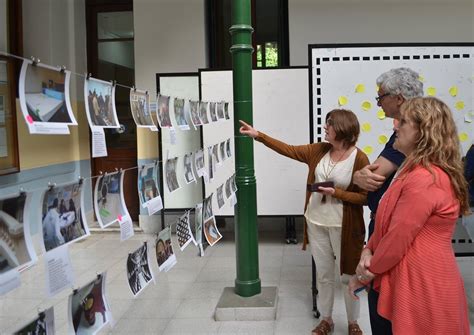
<point>324,328</point>
<point>293,240</point>
<point>287,240</point>
<point>354,329</point>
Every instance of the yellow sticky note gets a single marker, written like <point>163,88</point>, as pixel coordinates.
<point>459,105</point>
<point>431,91</point>
<point>463,137</point>
<point>366,127</point>
<point>421,78</point>
<point>360,88</point>
<point>453,91</point>
<point>380,114</point>
<point>368,150</point>
<point>383,139</point>
<point>342,100</point>
<point>366,105</point>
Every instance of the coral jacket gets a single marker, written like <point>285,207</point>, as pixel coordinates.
<point>420,286</point>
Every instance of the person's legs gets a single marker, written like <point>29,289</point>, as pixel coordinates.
<point>323,255</point>
<point>378,324</point>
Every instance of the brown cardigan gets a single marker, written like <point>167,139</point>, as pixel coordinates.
<point>353,199</point>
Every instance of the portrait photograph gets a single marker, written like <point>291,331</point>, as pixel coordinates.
<point>139,274</point>
<point>43,324</point>
<point>228,149</point>
<point>212,111</point>
<point>16,247</point>
<point>108,198</point>
<point>147,183</point>
<point>211,232</point>
<point>211,163</point>
<point>220,196</point>
<point>89,311</point>
<point>215,153</point>
<point>62,218</point>
<point>226,111</point>
<point>164,250</point>
<point>140,108</point>
<point>220,110</point>
<point>207,207</point>
<point>222,151</point>
<point>163,112</point>
<point>194,111</point>
<point>100,103</point>
<point>228,189</point>
<point>203,112</point>
<point>171,177</point>
<point>188,168</point>
<point>179,114</point>
<point>199,162</point>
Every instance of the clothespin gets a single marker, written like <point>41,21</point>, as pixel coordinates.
<point>62,69</point>
<point>35,60</point>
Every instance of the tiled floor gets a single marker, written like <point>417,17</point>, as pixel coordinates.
<point>183,300</point>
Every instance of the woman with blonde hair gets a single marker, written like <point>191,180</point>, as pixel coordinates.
<point>409,257</point>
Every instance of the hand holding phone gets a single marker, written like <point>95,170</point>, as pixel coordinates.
<point>315,187</point>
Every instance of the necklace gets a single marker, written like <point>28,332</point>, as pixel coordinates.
<point>327,170</point>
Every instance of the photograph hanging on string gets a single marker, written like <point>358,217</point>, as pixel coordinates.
<point>233,184</point>
<point>100,103</point>
<point>222,151</point>
<point>188,168</point>
<point>228,148</point>
<point>43,324</point>
<point>220,110</point>
<point>203,106</point>
<point>211,164</point>
<point>220,196</point>
<point>62,214</point>
<point>139,273</point>
<point>108,199</point>
<point>140,108</point>
<point>171,177</point>
<point>212,111</point>
<point>16,246</point>
<point>215,153</point>
<point>199,162</point>
<point>44,98</point>
<point>179,114</point>
<point>226,111</point>
<point>228,189</point>
<point>198,223</point>
<point>194,111</point>
<point>211,232</point>
<point>163,112</point>
<point>164,250</point>
<point>183,231</point>
<point>89,311</point>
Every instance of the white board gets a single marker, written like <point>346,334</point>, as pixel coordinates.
<point>281,110</point>
<point>183,86</point>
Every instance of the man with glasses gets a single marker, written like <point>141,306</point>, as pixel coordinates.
<point>395,86</point>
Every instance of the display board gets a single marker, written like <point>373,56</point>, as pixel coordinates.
<point>183,86</point>
<point>281,110</point>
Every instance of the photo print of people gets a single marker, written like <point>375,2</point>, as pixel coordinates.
<point>43,324</point>
<point>139,273</point>
<point>194,111</point>
<point>16,247</point>
<point>215,153</point>
<point>179,114</point>
<point>171,177</point>
<point>220,196</point>
<point>226,111</point>
<point>62,216</point>
<point>188,168</point>
<point>163,112</point>
<point>228,149</point>
<point>199,162</point>
<point>222,151</point>
<point>89,311</point>
<point>100,103</point>
<point>140,108</point>
<point>44,98</point>
<point>148,191</point>
<point>198,227</point>
<point>203,112</point>
<point>164,250</point>
<point>108,199</point>
<point>212,111</point>
<point>183,231</point>
<point>211,232</point>
<point>228,189</point>
<point>220,110</point>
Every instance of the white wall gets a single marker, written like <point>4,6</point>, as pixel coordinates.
<point>383,21</point>
<point>169,37</point>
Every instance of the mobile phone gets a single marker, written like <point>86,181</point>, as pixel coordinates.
<point>360,289</point>
<point>315,187</point>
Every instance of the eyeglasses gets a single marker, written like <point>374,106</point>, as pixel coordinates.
<point>380,97</point>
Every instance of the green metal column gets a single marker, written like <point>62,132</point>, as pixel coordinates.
<point>247,282</point>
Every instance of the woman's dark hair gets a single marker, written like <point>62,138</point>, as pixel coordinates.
<point>345,124</point>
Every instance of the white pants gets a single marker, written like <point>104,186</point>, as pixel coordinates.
<point>325,243</point>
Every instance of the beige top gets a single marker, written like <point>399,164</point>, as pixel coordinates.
<point>329,214</point>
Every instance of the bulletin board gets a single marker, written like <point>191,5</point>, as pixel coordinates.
<point>281,110</point>
<point>183,86</point>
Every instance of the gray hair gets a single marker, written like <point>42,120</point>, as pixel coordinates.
<point>402,81</point>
